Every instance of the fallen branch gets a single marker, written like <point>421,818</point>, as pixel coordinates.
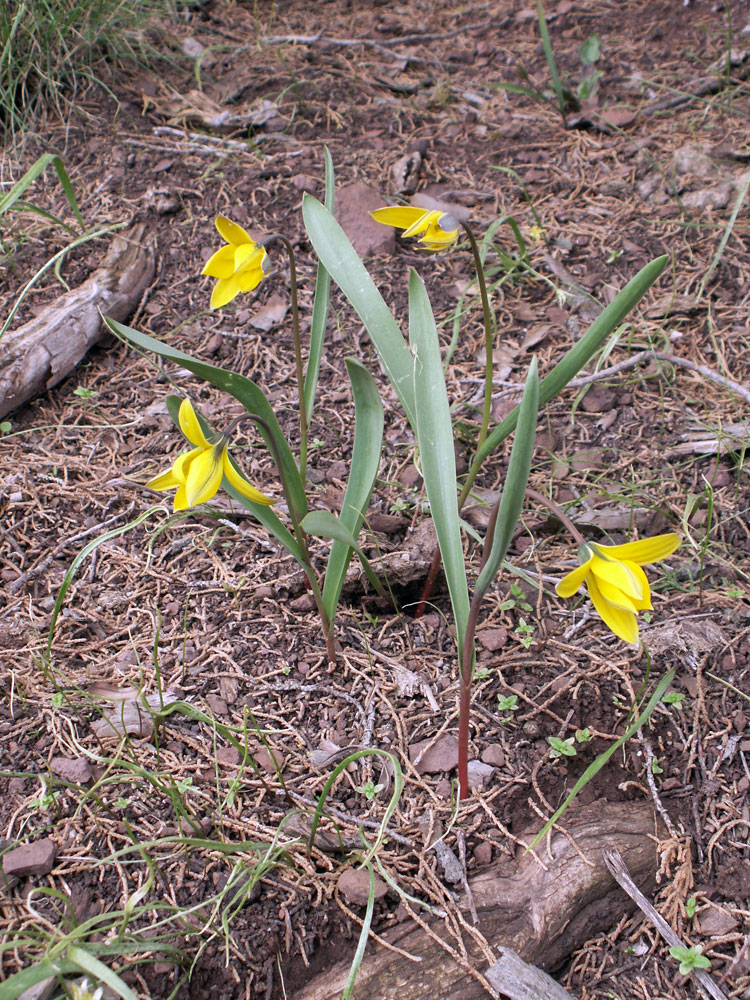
<point>39,354</point>
<point>541,907</point>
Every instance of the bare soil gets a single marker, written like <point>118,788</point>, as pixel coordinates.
<point>215,613</point>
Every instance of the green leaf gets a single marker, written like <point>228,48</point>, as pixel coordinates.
<point>366,452</point>
<point>434,430</point>
<point>20,187</point>
<point>345,267</point>
<point>581,352</point>
<point>324,524</point>
<point>266,515</point>
<point>591,50</point>
<point>99,972</point>
<point>320,306</point>
<point>514,489</point>
<point>243,390</point>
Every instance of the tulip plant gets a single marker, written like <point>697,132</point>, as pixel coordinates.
<point>238,267</point>
<point>614,576</point>
<point>416,374</point>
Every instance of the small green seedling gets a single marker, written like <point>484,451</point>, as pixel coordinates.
<point>507,703</point>
<point>369,790</point>
<point>689,958</point>
<point>691,905</point>
<point>524,632</point>
<point>561,748</point>
<point>655,767</point>
<point>583,735</point>
<point>675,698</point>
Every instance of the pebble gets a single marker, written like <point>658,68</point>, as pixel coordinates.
<point>36,858</point>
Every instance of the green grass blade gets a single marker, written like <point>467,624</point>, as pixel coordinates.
<point>366,452</point>
<point>266,515</point>
<point>320,306</point>
<point>514,489</point>
<point>434,430</point>
<point>343,264</point>
<point>594,768</point>
<point>99,972</point>
<point>16,984</point>
<point>724,239</point>
<point>549,55</point>
<point>359,954</point>
<point>20,187</point>
<point>582,352</point>
<point>324,524</point>
<point>243,390</point>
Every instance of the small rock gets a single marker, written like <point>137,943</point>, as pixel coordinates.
<point>354,885</point>
<point>492,638</point>
<point>441,756</point>
<point>304,603</point>
<point>480,774</point>
<point>187,829</point>
<point>36,858</point>
<point>266,763</point>
<point>228,756</point>
<point>217,705</point>
<point>715,922</point>
<point>304,182</point>
<point>483,854</point>
<point>77,772</point>
<point>353,205</point>
<point>16,786</point>
<point>598,400</point>
<point>192,48</point>
<point>444,789</point>
<point>494,755</point>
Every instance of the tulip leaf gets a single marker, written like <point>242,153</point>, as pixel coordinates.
<point>266,515</point>
<point>325,524</point>
<point>320,307</point>
<point>366,452</point>
<point>243,390</point>
<point>342,262</point>
<point>581,352</point>
<point>434,431</point>
<point>514,489</point>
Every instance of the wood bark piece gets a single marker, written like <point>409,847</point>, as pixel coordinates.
<point>39,354</point>
<point>542,913</point>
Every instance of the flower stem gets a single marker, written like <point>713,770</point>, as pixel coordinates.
<point>301,536</point>
<point>303,428</point>
<point>558,512</point>
<point>489,335</point>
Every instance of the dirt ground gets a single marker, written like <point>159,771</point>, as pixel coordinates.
<point>213,613</point>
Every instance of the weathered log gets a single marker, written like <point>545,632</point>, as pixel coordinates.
<point>39,354</point>
<point>543,913</point>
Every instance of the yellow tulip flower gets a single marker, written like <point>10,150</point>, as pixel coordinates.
<point>199,473</point>
<point>239,266</point>
<point>435,229</point>
<point>616,582</point>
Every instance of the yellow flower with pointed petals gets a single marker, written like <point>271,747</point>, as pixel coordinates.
<point>436,230</point>
<point>198,474</point>
<point>238,267</point>
<point>616,582</point>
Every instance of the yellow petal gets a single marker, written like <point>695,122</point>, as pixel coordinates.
<point>205,475</point>
<point>614,597</point>
<point>618,575</point>
<point>236,479</point>
<point>647,550</point>
<point>231,232</point>
<point>249,278</point>
<point>224,291</point>
<point>190,426</point>
<point>571,583</point>
<point>398,216</point>
<point>426,221</point>
<point>247,255</point>
<point>166,481</point>
<point>220,264</point>
<point>622,623</point>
